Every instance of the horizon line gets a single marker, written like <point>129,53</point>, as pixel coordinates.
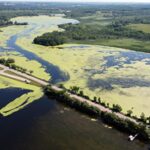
<point>5,1</point>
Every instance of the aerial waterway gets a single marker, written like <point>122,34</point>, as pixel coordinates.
<point>46,124</point>
<point>56,73</point>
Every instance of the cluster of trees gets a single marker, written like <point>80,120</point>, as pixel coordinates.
<point>6,22</point>
<point>11,63</point>
<point>18,68</point>
<point>114,30</point>
<point>7,61</point>
<point>126,125</point>
<point>119,30</point>
<point>109,118</point>
<point>115,107</point>
<point>20,23</point>
<point>72,32</point>
<point>80,32</point>
<point>50,39</point>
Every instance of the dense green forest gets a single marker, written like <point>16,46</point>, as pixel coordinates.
<point>80,32</point>
<point>52,39</point>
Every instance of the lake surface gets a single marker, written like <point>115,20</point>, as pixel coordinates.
<point>46,124</point>
<point>9,94</point>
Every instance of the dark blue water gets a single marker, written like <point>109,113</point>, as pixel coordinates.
<point>48,125</point>
<point>9,94</point>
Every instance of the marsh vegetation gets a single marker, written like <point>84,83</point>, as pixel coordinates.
<point>76,45</point>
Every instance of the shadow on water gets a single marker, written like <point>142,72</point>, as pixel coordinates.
<point>9,94</point>
<point>54,71</point>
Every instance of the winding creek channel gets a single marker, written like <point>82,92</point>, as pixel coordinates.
<point>54,71</point>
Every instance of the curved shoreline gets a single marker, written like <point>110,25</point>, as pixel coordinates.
<point>54,71</point>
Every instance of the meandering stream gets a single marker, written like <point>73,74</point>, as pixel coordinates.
<point>54,71</point>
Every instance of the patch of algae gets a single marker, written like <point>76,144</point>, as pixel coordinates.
<point>92,64</point>
<point>22,101</point>
<point>83,64</point>
<point>30,65</point>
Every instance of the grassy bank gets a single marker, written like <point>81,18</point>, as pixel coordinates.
<point>7,32</point>
<point>140,27</point>
<point>30,65</point>
<point>124,125</point>
<point>35,66</point>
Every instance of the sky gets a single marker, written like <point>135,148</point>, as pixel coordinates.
<point>132,1</point>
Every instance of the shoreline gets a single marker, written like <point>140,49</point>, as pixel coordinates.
<point>84,104</point>
<point>116,120</point>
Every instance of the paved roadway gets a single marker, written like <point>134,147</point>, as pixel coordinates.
<point>27,78</point>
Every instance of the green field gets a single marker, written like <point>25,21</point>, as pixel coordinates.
<point>127,43</point>
<point>140,27</point>
<point>98,18</point>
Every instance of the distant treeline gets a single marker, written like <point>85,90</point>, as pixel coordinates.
<point>79,32</point>
<point>6,22</point>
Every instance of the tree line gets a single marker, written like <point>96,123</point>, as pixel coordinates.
<point>80,32</point>
<point>5,22</point>
<point>124,125</point>
<point>11,64</point>
<point>50,39</point>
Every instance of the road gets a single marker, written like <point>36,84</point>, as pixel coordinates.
<point>20,76</point>
<point>28,78</point>
<point>101,108</point>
